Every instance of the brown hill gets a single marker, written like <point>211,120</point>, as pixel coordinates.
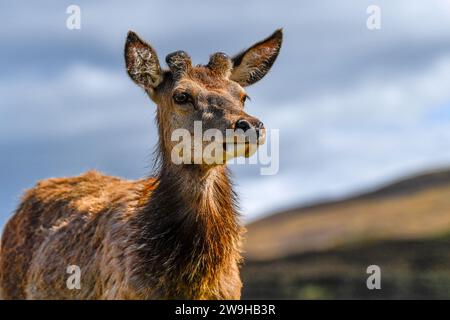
<point>413,208</point>
<point>322,251</point>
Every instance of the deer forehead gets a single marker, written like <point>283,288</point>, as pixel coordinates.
<point>200,80</point>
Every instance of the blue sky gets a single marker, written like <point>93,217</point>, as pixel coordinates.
<point>355,108</point>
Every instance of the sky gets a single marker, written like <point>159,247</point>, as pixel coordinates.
<point>355,108</point>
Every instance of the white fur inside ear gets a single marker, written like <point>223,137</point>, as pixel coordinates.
<point>145,69</point>
<point>142,63</point>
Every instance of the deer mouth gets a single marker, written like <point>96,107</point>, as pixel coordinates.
<point>239,146</point>
<point>233,149</point>
<point>228,146</point>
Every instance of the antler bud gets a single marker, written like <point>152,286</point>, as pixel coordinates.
<point>221,64</point>
<point>178,62</point>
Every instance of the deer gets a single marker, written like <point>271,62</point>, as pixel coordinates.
<point>174,235</point>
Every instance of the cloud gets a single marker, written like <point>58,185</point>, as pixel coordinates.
<point>354,107</point>
<point>350,140</point>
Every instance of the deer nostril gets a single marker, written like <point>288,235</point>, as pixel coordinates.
<point>244,125</point>
<point>260,125</point>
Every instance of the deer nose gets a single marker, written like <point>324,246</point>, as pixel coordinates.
<point>245,125</point>
<point>242,124</point>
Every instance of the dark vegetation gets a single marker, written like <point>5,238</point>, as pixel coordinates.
<point>323,251</point>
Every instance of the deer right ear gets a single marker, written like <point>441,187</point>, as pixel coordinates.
<point>142,62</point>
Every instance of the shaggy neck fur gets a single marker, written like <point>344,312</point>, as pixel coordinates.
<point>189,231</point>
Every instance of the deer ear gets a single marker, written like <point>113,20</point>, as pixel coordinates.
<point>252,64</point>
<point>142,62</point>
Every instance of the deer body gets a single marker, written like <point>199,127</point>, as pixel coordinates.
<point>174,236</point>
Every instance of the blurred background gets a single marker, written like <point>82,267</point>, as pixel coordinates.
<point>364,120</point>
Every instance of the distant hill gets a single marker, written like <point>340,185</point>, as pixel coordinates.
<point>322,251</point>
<point>410,208</point>
<point>410,269</point>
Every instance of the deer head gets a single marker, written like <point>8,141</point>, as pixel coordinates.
<point>213,94</point>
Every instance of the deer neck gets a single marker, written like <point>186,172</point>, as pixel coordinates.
<point>203,194</point>
<point>190,228</point>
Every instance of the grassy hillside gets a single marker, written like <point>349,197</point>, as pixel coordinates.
<point>323,251</point>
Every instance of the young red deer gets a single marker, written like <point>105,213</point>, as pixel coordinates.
<point>173,236</point>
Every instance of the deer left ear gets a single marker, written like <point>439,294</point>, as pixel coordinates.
<point>252,64</point>
<point>142,62</point>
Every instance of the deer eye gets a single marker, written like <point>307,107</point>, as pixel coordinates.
<point>182,97</point>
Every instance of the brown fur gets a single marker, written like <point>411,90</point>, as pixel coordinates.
<point>174,236</point>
